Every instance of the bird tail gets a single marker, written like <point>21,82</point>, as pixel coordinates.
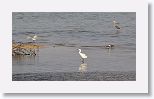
<point>86,56</point>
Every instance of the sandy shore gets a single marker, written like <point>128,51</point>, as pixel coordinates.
<point>76,76</point>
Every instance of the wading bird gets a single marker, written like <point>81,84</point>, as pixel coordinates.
<point>116,24</point>
<point>109,46</point>
<point>32,37</point>
<point>83,56</point>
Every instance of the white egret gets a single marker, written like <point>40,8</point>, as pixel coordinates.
<point>83,56</point>
<point>33,37</point>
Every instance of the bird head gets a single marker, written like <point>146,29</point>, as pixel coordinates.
<point>79,50</point>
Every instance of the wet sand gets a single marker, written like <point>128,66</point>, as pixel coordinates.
<point>77,76</point>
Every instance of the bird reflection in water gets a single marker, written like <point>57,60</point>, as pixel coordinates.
<point>83,67</point>
<point>109,51</point>
<point>109,47</point>
<point>20,59</point>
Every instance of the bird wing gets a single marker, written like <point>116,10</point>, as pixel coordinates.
<point>117,27</point>
<point>35,36</point>
<point>83,55</point>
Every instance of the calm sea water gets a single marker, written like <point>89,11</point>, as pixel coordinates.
<point>78,30</point>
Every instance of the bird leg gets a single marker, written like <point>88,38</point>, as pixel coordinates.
<point>82,60</point>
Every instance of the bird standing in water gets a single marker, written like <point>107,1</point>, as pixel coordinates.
<point>33,37</point>
<point>109,46</point>
<point>83,56</point>
<point>116,24</point>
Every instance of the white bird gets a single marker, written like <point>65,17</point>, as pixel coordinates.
<point>83,56</point>
<point>116,24</point>
<point>33,37</point>
<point>109,46</point>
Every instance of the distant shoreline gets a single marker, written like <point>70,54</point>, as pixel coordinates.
<point>77,76</point>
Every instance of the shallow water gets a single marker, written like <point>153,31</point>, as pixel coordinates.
<point>77,76</point>
<point>63,33</point>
